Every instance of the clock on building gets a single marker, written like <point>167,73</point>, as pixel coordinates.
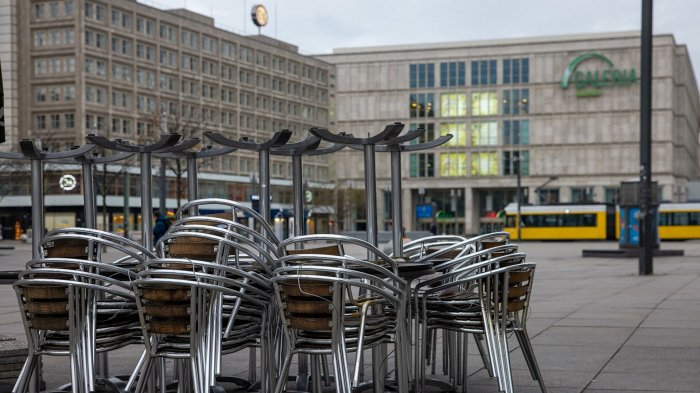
<point>259,15</point>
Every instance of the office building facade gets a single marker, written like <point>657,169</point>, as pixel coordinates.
<point>565,110</point>
<point>123,70</point>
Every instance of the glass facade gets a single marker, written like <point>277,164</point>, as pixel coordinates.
<point>453,164</point>
<point>516,132</point>
<point>484,72</point>
<point>453,105</point>
<point>484,103</point>
<point>422,105</point>
<point>427,136</point>
<point>510,162</point>
<point>516,71</point>
<point>422,75</point>
<point>516,102</point>
<point>422,165</point>
<point>458,132</point>
<point>484,163</point>
<point>452,74</point>
<point>485,134</point>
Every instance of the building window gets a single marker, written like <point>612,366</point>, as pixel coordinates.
<point>485,134</point>
<point>452,74</point>
<point>422,165</point>
<point>484,163</point>
<point>41,122</point>
<point>516,71</point>
<point>516,101</point>
<point>484,72</point>
<point>484,103</point>
<point>453,164</point>
<point>422,75</point>
<point>39,11</point>
<point>69,120</point>
<point>40,94</point>
<point>511,162</point>
<point>453,104</point>
<point>68,8</point>
<point>55,121</point>
<point>427,136</point>
<point>612,195</point>
<point>516,132</point>
<point>458,132</point>
<point>422,105</point>
<point>69,93</point>
<point>55,93</point>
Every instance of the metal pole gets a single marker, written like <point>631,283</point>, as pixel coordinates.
<point>646,240</point>
<point>89,195</point>
<point>371,197</point>
<point>192,192</point>
<point>37,206</point>
<point>163,185</point>
<point>264,157</point>
<point>396,203</point>
<point>146,201</point>
<point>127,194</point>
<point>520,195</point>
<point>297,174</point>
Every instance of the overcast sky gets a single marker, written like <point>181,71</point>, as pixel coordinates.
<point>318,26</point>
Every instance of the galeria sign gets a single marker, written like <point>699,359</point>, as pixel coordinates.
<point>590,84</point>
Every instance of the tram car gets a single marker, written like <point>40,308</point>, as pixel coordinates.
<point>563,222</point>
<point>677,221</point>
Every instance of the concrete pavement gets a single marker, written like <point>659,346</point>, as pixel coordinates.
<point>595,325</point>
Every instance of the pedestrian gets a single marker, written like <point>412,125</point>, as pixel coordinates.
<point>162,225</point>
<point>433,229</point>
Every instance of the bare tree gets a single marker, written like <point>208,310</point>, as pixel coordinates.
<point>108,176</point>
<point>347,201</point>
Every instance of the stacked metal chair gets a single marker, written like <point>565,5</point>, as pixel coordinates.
<point>488,295</point>
<point>323,315</point>
<point>213,245</point>
<point>74,304</point>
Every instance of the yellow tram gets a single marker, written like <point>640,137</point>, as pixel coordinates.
<point>562,222</point>
<point>677,221</point>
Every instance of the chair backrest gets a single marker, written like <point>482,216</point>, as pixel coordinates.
<point>176,301</point>
<point>380,258</point>
<point>221,245</point>
<point>44,293</point>
<point>235,208</point>
<point>310,294</point>
<point>75,243</point>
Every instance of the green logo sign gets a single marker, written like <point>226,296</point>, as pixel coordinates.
<point>590,83</point>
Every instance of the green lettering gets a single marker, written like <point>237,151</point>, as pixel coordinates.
<point>615,77</point>
<point>633,77</point>
<point>597,80</point>
<point>606,78</point>
<point>578,78</point>
<point>589,78</point>
<point>625,80</point>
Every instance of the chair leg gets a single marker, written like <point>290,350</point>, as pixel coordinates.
<point>25,375</point>
<point>478,338</point>
<point>327,373</point>
<point>433,352</point>
<point>526,353</point>
<point>535,366</point>
<point>144,374</point>
<point>465,373</point>
<point>282,380</point>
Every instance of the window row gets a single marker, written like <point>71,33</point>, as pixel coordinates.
<point>54,37</point>
<point>483,72</point>
<point>56,65</point>
<point>53,9</point>
<point>480,164</point>
<point>515,132</point>
<point>54,93</point>
<point>54,121</point>
<point>485,103</point>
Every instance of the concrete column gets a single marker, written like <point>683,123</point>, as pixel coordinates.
<point>564,194</point>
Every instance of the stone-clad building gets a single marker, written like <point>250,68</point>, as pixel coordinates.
<point>113,67</point>
<point>567,107</point>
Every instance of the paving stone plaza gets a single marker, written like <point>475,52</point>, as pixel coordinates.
<point>596,326</point>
